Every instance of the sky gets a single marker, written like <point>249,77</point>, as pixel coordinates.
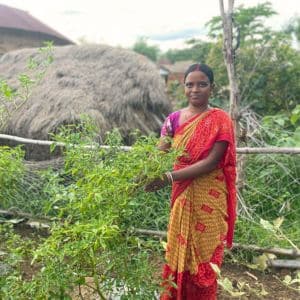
<point>165,23</point>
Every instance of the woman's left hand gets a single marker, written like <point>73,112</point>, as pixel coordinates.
<point>157,184</point>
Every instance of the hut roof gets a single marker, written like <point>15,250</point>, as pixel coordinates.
<point>116,87</point>
<point>14,18</point>
<point>178,67</point>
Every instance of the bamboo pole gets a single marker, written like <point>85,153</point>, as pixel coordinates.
<point>245,150</point>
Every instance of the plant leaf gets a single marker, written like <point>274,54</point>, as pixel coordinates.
<point>277,222</point>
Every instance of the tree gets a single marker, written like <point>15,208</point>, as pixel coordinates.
<point>249,23</point>
<point>197,50</point>
<point>293,28</point>
<point>267,64</point>
<point>141,46</point>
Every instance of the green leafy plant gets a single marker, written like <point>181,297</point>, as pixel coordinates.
<point>98,207</point>
<point>11,171</point>
<point>12,99</point>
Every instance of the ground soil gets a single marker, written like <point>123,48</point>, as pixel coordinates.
<point>254,281</point>
<point>269,280</point>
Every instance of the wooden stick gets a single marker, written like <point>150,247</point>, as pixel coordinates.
<point>284,263</point>
<point>269,150</point>
<point>49,143</point>
<point>163,234</point>
<point>29,141</point>
<point>15,213</point>
<point>277,251</point>
<point>151,232</point>
<point>245,150</point>
<point>251,275</point>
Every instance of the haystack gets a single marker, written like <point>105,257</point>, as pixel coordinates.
<point>116,87</point>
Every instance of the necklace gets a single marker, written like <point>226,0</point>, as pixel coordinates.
<point>186,114</point>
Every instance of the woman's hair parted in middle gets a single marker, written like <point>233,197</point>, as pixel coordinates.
<point>202,68</point>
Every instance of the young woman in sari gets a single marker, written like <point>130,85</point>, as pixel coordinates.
<point>203,195</point>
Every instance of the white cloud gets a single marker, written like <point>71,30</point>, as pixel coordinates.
<point>120,22</point>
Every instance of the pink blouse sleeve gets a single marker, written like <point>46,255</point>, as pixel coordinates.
<point>167,129</point>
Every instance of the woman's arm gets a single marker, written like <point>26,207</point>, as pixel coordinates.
<point>203,166</point>
<point>164,144</point>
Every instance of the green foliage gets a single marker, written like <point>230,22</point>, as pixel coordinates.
<point>176,93</point>
<point>272,186</point>
<point>15,253</point>
<point>100,205</point>
<point>270,86</point>
<point>10,98</point>
<point>197,51</point>
<point>249,21</point>
<point>22,189</point>
<point>99,200</point>
<point>11,170</point>
<point>267,75</point>
<point>293,28</point>
<point>267,64</point>
<point>271,189</point>
<point>141,46</point>
<point>282,129</point>
<point>98,197</point>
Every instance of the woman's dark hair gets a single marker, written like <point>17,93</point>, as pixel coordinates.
<point>202,68</point>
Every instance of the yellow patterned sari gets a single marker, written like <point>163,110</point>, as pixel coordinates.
<point>202,210</point>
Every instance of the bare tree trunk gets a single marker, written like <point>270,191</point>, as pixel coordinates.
<point>229,56</point>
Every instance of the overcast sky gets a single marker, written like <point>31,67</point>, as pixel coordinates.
<point>167,23</point>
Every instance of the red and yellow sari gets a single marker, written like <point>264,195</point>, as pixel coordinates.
<point>202,210</point>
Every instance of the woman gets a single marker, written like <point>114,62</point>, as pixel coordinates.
<point>203,191</point>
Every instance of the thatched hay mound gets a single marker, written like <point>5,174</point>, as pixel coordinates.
<point>116,87</point>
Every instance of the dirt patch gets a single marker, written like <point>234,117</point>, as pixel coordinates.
<point>253,281</point>
<point>257,280</point>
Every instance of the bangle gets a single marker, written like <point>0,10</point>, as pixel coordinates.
<point>170,177</point>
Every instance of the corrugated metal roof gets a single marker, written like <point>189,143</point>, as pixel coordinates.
<point>19,19</point>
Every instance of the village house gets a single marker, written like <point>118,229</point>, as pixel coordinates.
<point>172,72</point>
<point>18,29</point>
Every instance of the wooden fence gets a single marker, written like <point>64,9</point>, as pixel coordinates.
<point>244,150</point>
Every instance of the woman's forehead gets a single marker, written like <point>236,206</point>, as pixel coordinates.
<point>196,76</point>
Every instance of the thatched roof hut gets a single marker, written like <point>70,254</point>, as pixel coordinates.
<point>116,87</point>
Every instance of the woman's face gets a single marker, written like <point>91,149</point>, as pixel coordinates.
<point>197,89</point>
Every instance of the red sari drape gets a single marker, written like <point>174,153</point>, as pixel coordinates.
<point>202,210</point>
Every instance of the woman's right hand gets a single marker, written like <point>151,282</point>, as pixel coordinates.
<point>157,184</point>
